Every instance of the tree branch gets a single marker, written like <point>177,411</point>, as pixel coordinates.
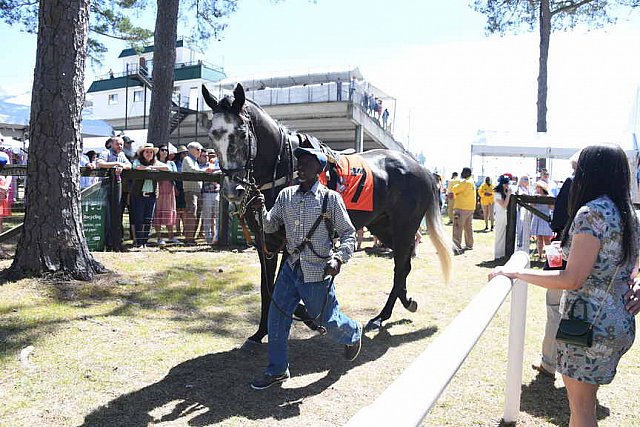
<point>113,36</point>
<point>570,6</point>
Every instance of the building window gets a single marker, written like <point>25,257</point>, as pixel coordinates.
<point>113,99</point>
<point>138,95</point>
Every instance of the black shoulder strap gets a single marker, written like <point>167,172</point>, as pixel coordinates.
<point>322,216</point>
<point>327,221</point>
<point>327,218</point>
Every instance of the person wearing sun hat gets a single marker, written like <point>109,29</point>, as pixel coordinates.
<point>143,193</point>
<point>540,228</point>
<point>211,202</point>
<point>192,191</point>
<point>165,213</point>
<point>502,194</point>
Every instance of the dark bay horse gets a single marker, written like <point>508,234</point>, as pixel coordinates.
<point>253,146</point>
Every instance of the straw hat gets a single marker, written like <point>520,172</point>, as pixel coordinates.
<point>543,185</point>
<point>147,146</point>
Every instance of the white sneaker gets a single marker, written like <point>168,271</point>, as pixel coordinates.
<point>161,242</point>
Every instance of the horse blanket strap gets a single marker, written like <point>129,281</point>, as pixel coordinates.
<point>327,221</point>
<point>353,179</point>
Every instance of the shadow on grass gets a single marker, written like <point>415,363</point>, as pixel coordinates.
<point>379,252</point>
<point>493,263</point>
<point>213,388</point>
<point>540,398</point>
<point>188,304</point>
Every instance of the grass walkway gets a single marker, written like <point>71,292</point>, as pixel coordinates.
<point>156,344</point>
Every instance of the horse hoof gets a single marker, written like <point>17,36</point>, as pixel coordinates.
<point>373,324</point>
<point>251,347</point>
<point>413,306</point>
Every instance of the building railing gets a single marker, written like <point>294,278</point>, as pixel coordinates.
<point>323,92</point>
<point>408,400</point>
<point>134,69</point>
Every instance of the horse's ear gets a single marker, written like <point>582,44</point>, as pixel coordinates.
<point>208,98</point>
<point>238,99</point>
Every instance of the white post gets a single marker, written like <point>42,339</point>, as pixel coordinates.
<point>418,388</point>
<point>517,325</point>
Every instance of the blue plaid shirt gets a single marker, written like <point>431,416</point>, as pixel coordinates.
<point>297,211</point>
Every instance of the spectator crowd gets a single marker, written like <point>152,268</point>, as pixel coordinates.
<point>169,207</point>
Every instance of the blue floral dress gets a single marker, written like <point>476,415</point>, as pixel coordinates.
<point>614,330</point>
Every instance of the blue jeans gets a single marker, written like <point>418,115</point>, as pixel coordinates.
<point>289,290</point>
<point>142,209</point>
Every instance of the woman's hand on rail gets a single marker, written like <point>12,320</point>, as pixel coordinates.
<point>503,271</point>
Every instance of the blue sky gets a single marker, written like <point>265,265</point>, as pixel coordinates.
<point>449,78</point>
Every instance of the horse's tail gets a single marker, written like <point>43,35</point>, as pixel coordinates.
<point>439,239</point>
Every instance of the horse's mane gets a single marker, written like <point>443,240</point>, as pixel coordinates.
<point>226,102</point>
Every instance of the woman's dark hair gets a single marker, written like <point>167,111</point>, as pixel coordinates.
<point>466,173</point>
<point>91,155</point>
<point>166,147</point>
<point>604,170</point>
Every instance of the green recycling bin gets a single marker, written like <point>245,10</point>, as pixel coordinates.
<point>94,208</point>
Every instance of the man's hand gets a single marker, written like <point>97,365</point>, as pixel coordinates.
<point>258,202</point>
<point>333,267</point>
<point>632,297</point>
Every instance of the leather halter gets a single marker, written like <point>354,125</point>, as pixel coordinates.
<point>248,168</point>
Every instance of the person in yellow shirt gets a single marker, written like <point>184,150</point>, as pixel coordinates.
<point>464,196</point>
<point>486,201</point>
<point>452,183</point>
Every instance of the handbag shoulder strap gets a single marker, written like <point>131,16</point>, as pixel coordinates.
<point>595,318</point>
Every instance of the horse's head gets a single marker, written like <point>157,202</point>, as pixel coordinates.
<point>230,133</point>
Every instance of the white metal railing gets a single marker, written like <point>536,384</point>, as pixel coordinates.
<point>416,390</point>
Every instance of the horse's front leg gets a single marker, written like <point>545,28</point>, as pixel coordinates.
<point>267,280</point>
<point>402,266</point>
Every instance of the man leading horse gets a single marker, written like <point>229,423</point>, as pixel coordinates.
<point>310,214</point>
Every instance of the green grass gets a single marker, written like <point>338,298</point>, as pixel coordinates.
<point>156,343</point>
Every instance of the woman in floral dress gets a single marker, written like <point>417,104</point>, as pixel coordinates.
<point>165,212</point>
<point>601,248</point>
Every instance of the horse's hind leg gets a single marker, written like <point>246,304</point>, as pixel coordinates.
<point>402,249</point>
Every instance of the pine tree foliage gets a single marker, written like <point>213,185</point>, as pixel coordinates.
<point>504,16</point>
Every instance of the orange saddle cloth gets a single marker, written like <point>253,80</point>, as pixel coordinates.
<point>354,182</point>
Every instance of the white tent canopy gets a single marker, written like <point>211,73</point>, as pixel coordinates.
<point>542,145</point>
<point>554,146</point>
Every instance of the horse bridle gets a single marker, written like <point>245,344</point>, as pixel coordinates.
<point>248,166</point>
<point>249,182</point>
